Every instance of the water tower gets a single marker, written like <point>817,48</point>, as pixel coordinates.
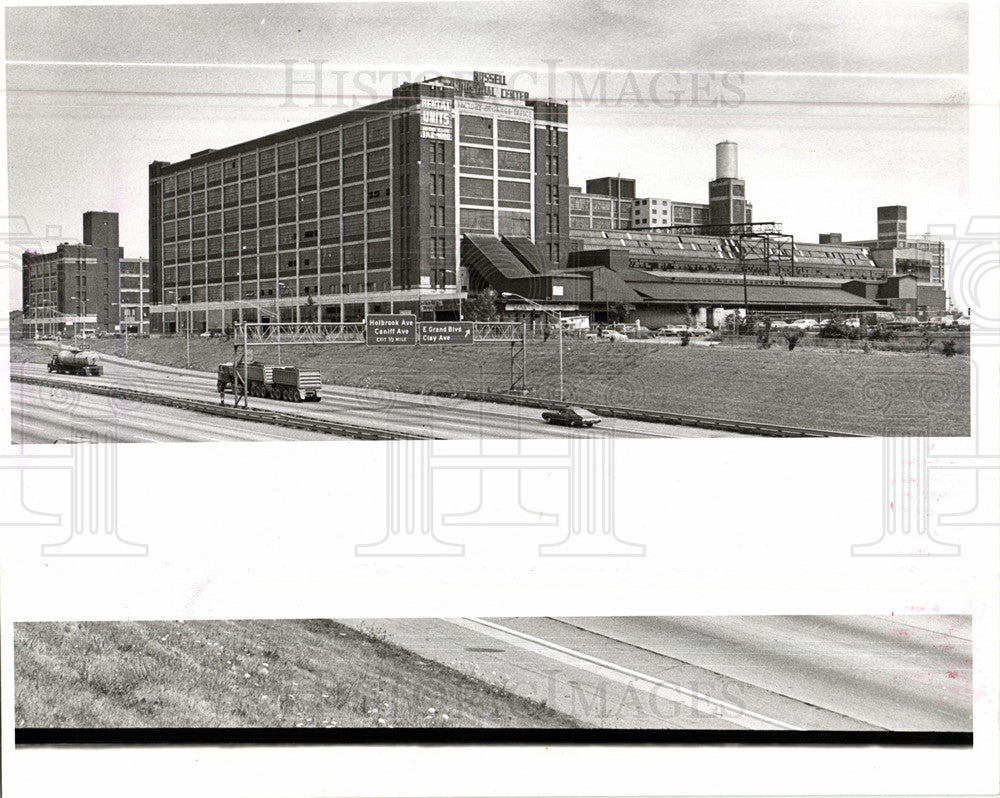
<point>727,204</point>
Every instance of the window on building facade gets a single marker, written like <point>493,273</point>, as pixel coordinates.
<point>307,150</point>
<point>354,137</point>
<point>353,168</point>
<point>476,157</point>
<point>307,178</point>
<point>354,197</point>
<point>329,231</point>
<point>307,206</point>
<point>378,161</point>
<point>287,237</point>
<point>354,225</point>
<point>513,161</point>
<point>378,130</point>
<point>475,126</point>
<point>329,145</point>
<point>286,155</point>
<point>286,210</point>
<point>248,165</point>
<point>475,190</point>
<point>329,202</point>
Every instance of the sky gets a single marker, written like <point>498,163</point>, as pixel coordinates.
<point>837,107</point>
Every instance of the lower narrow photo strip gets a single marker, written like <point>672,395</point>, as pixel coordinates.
<point>639,679</point>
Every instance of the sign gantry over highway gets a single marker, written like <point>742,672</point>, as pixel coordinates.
<point>384,329</point>
<point>446,332</point>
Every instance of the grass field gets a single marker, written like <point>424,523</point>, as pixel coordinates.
<point>875,393</point>
<point>310,673</point>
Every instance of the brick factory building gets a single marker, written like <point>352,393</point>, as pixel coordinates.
<point>449,188</point>
<point>361,212</point>
<point>75,288</point>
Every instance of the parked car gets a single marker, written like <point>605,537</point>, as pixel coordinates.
<point>805,324</point>
<point>904,323</point>
<point>571,417</point>
<point>852,322</point>
<point>964,321</point>
<point>699,331</point>
<point>613,335</point>
<point>778,324</point>
<point>671,330</point>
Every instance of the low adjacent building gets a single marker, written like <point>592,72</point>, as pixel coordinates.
<point>133,295</point>
<point>75,288</point>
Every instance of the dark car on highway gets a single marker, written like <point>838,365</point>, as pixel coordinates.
<point>571,417</point>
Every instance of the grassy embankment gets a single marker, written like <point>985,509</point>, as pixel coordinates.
<point>873,393</point>
<point>314,673</point>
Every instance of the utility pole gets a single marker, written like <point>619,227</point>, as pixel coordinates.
<point>558,318</point>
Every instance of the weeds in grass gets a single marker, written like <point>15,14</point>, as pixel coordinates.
<point>792,338</point>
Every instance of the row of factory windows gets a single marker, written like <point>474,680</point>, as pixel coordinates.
<point>307,286</point>
<point>327,147</point>
<point>266,188</point>
<point>284,237</point>
<point>509,132</point>
<point>355,199</point>
<point>473,191</point>
<point>351,258</point>
<point>287,155</point>
<point>286,184</point>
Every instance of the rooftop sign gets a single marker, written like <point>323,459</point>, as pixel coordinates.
<point>488,84</point>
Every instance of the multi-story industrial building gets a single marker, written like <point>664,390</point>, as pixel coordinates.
<point>727,193</point>
<point>610,203</point>
<point>75,288</point>
<point>592,211</point>
<point>133,295</point>
<point>360,212</point>
<point>653,212</point>
<point>596,211</point>
<point>899,254</point>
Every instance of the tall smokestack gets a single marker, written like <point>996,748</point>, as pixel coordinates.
<point>726,161</point>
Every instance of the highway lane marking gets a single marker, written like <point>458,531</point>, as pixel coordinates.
<point>699,702</point>
<point>26,424</point>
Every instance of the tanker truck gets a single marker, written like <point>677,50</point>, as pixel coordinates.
<point>75,361</point>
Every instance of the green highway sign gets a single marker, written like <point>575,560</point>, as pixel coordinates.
<point>446,332</point>
<point>384,329</point>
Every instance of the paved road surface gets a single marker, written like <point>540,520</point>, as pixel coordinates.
<point>433,416</point>
<point>911,673</point>
<point>41,415</point>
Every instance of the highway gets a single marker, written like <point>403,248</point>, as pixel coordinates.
<point>789,673</point>
<point>44,415</point>
<point>430,416</point>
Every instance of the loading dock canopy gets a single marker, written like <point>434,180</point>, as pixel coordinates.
<point>714,293</point>
<point>516,265</point>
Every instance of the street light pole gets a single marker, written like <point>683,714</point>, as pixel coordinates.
<point>558,318</point>
<point>187,330</point>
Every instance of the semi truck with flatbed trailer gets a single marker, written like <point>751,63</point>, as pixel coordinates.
<point>286,383</point>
